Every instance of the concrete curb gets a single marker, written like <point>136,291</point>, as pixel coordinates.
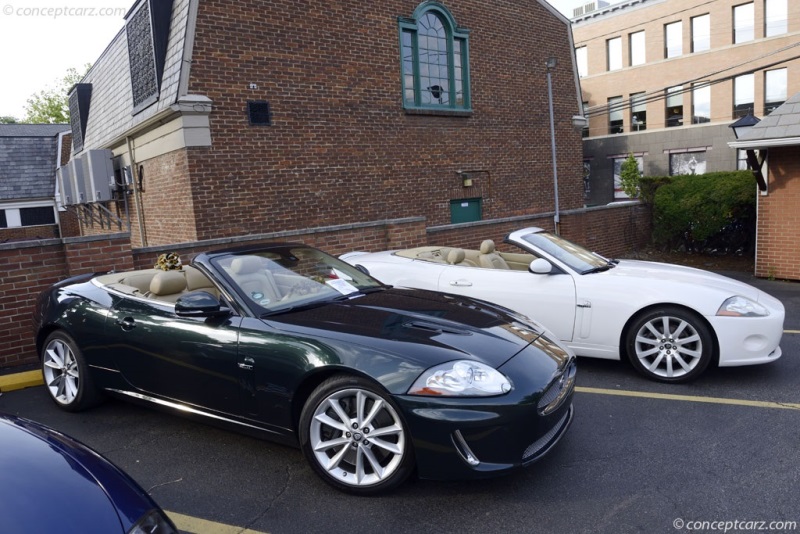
<point>20,381</point>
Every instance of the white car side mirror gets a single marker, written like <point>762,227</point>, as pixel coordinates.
<point>540,266</point>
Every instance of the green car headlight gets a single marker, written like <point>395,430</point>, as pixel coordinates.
<point>461,378</point>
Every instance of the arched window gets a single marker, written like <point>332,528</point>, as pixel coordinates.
<point>435,60</point>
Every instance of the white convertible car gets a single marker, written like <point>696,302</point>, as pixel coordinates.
<point>670,321</point>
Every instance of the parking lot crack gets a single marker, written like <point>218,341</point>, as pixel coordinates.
<point>150,490</point>
<point>287,481</point>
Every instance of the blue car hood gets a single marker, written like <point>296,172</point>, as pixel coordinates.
<point>46,486</point>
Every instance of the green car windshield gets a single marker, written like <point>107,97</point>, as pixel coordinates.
<point>282,278</point>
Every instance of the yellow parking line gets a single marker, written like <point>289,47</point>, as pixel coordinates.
<point>791,331</point>
<point>195,525</point>
<point>690,398</point>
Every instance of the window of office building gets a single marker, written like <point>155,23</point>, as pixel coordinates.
<point>638,112</point>
<point>743,95</point>
<point>673,39</point>
<point>743,23</point>
<point>614,53</point>
<point>701,103</point>
<point>701,33</point>
<point>636,48</point>
<point>674,111</point>
<point>776,17</point>
<point>775,90</point>
<point>687,163</point>
<point>615,115</point>
<point>582,59</point>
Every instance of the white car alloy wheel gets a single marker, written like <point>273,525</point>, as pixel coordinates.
<point>60,371</point>
<point>354,437</point>
<point>670,345</point>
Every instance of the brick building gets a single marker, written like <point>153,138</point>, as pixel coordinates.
<point>664,80</point>
<point>777,140</point>
<point>231,118</point>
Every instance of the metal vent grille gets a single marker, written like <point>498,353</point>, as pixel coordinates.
<point>258,113</point>
<point>545,440</point>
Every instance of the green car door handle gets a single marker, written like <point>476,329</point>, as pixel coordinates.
<point>127,323</point>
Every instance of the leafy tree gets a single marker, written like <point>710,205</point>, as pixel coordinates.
<point>629,176</point>
<point>8,119</point>
<point>51,106</point>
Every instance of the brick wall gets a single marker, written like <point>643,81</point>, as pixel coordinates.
<point>29,267</point>
<point>341,148</point>
<point>66,149</point>
<point>609,231</point>
<point>167,207</point>
<point>69,224</point>
<point>778,232</point>
<point>26,269</point>
<point>20,233</point>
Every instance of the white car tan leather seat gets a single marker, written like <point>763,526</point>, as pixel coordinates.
<point>489,259</point>
<point>456,256</point>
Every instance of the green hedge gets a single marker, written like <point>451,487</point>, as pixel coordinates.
<point>698,211</point>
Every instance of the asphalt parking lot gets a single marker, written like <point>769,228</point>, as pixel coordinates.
<point>719,454</point>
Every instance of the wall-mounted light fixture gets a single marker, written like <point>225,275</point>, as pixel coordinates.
<point>466,178</point>
<point>579,122</point>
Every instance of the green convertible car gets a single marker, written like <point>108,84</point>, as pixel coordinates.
<point>373,383</point>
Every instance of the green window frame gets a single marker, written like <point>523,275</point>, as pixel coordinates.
<point>434,61</point>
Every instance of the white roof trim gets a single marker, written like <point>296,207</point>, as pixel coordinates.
<point>765,143</point>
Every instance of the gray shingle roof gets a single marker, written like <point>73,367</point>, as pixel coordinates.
<point>32,130</point>
<point>110,110</point>
<point>782,123</point>
<point>27,164</point>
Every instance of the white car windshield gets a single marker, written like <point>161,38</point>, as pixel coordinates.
<point>574,256</point>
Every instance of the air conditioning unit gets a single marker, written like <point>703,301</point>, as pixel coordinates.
<point>98,173</point>
<point>66,192</point>
<point>78,182</point>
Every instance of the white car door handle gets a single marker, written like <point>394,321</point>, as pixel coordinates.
<point>460,283</point>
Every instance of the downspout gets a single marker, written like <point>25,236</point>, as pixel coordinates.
<point>137,194</point>
<point>57,188</point>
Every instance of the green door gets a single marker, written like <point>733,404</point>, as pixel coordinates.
<point>465,210</point>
